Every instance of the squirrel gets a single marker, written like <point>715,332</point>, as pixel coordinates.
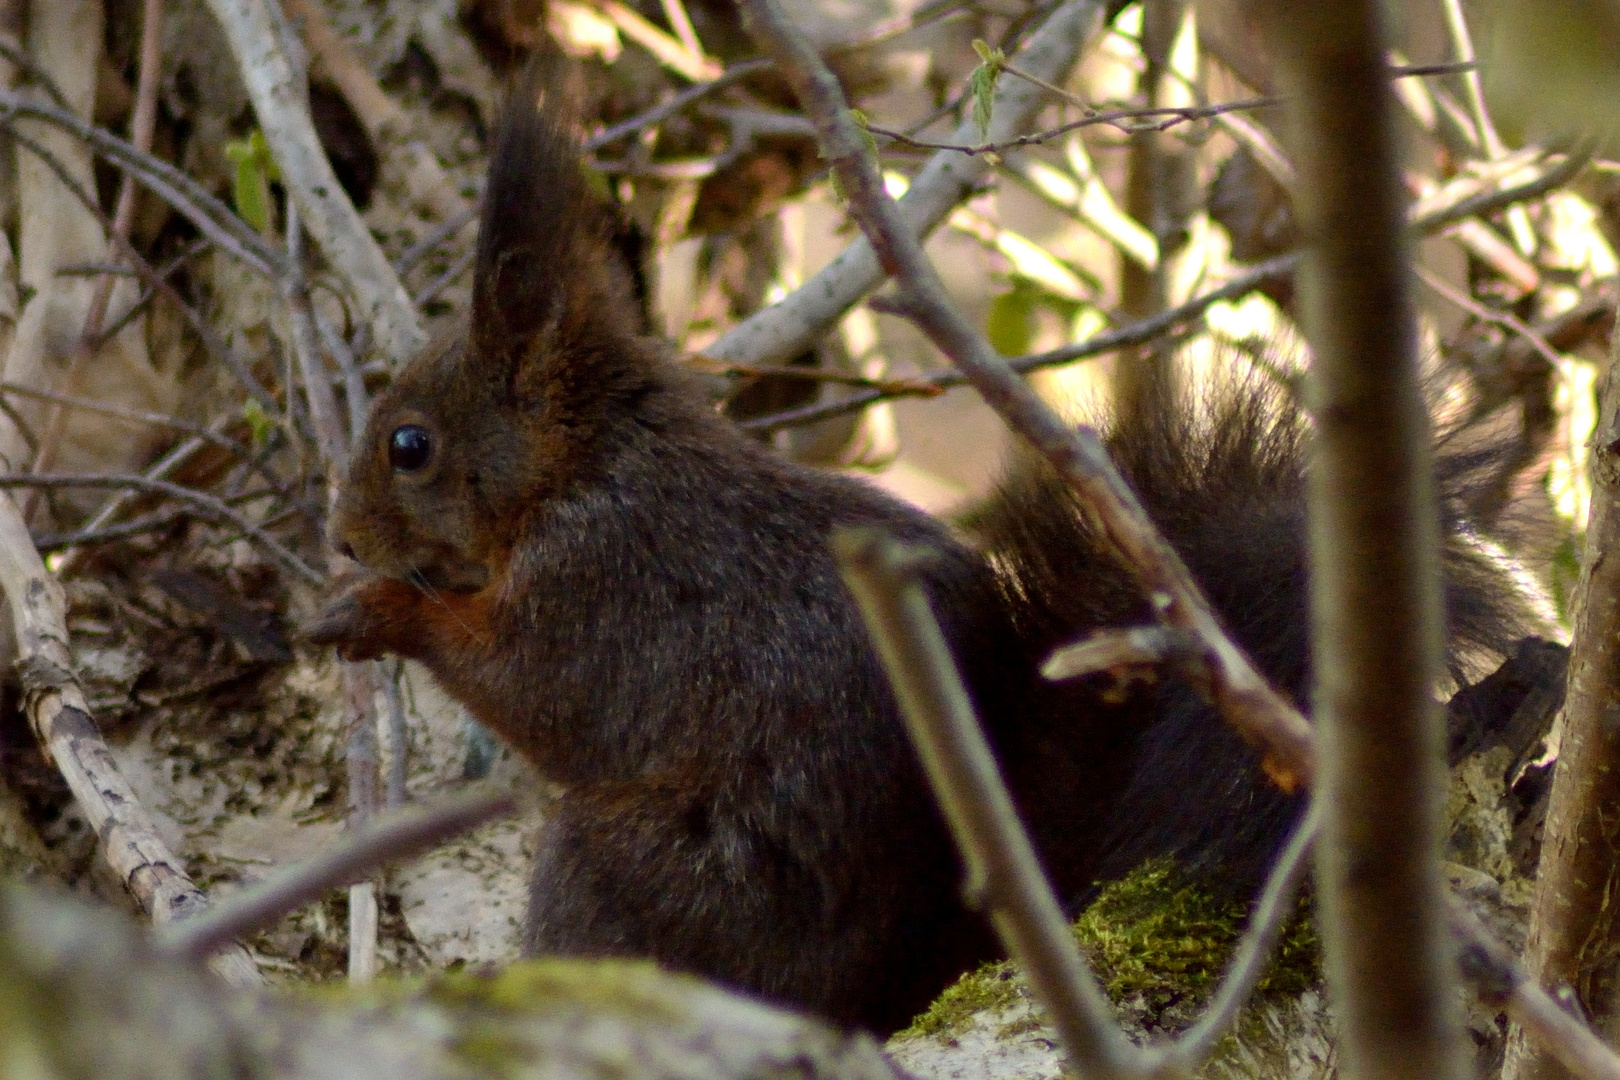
<point>642,601</point>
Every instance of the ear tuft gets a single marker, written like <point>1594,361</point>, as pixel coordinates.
<point>547,271</point>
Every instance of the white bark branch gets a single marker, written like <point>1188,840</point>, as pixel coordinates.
<point>275,86</point>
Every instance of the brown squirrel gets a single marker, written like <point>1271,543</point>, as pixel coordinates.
<point>641,600</point>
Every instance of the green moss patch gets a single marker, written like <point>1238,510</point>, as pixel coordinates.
<point>1158,943</point>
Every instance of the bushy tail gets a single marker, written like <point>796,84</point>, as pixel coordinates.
<point>1223,478</point>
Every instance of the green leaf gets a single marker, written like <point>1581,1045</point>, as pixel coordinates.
<point>866,132</point>
<point>982,84</point>
<point>250,187</point>
<point>1010,325</point>
<point>261,153</point>
<point>260,424</point>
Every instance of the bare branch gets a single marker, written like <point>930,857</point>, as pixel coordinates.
<point>787,328</point>
<point>1242,694</point>
<point>210,507</point>
<point>56,710</point>
<point>1130,121</point>
<point>1003,872</point>
<point>658,114</point>
<point>395,838</point>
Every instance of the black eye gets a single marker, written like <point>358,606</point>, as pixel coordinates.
<point>409,447</point>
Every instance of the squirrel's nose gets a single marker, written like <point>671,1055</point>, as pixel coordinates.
<point>347,549</point>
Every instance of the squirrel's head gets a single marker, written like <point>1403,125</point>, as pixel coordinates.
<point>489,421</point>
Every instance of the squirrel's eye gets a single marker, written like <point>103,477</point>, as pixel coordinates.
<point>409,447</point>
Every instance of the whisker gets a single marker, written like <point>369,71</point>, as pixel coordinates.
<point>417,578</point>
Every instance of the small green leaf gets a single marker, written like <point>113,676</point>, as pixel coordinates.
<point>982,84</point>
<point>261,153</point>
<point>255,168</point>
<point>1010,325</point>
<point>260,424</point>
<point>866,131</point>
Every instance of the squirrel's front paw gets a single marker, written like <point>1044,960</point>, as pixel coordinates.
<point>365,619</point>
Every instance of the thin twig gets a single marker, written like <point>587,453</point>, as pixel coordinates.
<point>438,235</point>
<point>1507,320</point>
<point>432,289</point>
<point>141,124</point>
<point>139,304</point>
<point>790,326</point>
<point>91,537</point>
<point>888,387</point>
<point>1110,650</point>
<point>1271,912</point>
<point>1003,872</point>
<point>399,736</point>
<point>658,114</point>
<point>133,416</point>
<point>211,217</point>
<point>1154,119</point>
<point>397,837</point>
<point>26,64</point>
<point>323,410</point>
<point>209,505</point>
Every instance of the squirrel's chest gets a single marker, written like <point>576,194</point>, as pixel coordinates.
<point>598,675</point>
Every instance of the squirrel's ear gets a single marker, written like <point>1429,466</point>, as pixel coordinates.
<point>548,276</point>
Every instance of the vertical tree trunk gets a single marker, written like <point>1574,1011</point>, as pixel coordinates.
<point>1573,939</point>
<point>1374,547</point>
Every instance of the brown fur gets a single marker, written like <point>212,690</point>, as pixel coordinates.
<point>643,603</point>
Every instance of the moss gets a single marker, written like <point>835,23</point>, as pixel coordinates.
<point>1156,940</point>
<point>491,1051</point>
<point>623,986</point>
<point>1158,937</point>
<point>993,986</point>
